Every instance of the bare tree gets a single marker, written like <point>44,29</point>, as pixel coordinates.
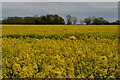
<point>74,20</point>
<point>69,19</point>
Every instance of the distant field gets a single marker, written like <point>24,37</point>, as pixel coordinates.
<point>60,51</point>
<point>57,29</point>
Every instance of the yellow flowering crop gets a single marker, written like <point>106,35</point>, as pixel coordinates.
<point>60,51</point>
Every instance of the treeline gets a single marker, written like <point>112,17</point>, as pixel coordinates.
<point>71,20</point>
<point>51,19</point>
<point>99,21</point>
<point>46,19</point>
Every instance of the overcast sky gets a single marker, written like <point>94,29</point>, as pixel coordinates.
<point>108,10</point>
<point>60,0</point>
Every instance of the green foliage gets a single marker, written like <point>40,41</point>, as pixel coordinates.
<point>47,19</point>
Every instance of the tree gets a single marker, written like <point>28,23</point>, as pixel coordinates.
<point>52,19</point>
<point>74,20</point>
<point>118,22</point>
<point>99,21</point>
<point>46,19</point>
<point>58,19</point>
<point>13,20</point>
<point>29,20</point>
<point>87,20</point>
<point>69,18</point>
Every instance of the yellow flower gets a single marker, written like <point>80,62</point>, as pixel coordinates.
<point>103,58</point>
<point>72,37</point>
<point>37,51</point>
<point>111,77</point>
<point>91,76</point>
<point>17,58</point>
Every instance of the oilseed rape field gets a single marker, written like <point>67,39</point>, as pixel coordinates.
<point>60,51</point>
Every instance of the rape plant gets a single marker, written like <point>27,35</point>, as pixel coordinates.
<point>60,51</point>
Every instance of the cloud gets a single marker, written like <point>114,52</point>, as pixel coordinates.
<point>0,11</point>
<point>78,9</point>
<point>60,0</point>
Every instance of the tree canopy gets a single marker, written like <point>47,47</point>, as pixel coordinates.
<point>46,19</point>
<point>51,19</point>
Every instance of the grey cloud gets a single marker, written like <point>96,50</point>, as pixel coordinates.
<point>78,9</point>
<point>60,0</point>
